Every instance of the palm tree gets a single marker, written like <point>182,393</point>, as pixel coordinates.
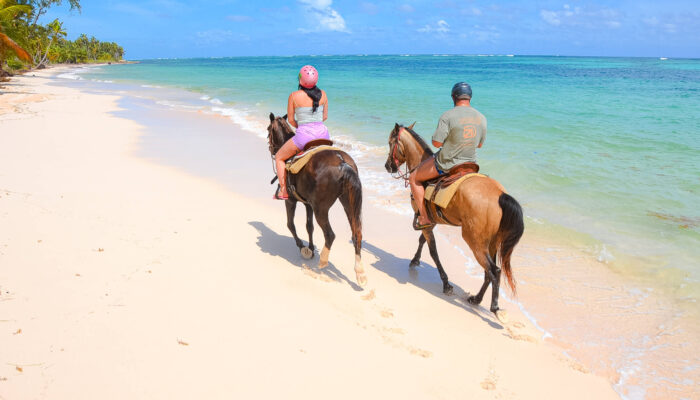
<point>56,31</point>
<point>8,11</point>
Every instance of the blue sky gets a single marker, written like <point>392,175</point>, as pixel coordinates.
<point>215,28</point>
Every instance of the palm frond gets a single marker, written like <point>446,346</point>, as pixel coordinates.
<point>10,12</point>
<point>22,54</point>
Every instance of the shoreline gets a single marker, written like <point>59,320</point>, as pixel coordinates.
<point>651,329</point>
<point>428,280</point>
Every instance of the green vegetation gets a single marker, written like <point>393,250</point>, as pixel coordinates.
<point>26,43</point>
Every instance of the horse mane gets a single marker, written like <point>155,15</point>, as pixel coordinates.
<point>418,139</point>
<point>287,130</point>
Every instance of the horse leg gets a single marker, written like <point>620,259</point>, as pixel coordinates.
<point>353,213</point>
<point>310,230</point>
<point>476,300</point>
<point>430,238</point>
<point>416,258</point>
<point>291,206</point>
<point>496,279</point>
<point>328,235</point>
<point>481,254</point>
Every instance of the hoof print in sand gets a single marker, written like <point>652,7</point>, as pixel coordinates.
<point>420,352</point>
<point>386,313</point>
<point>369,296</point>
<point>490,382</point>
<point>519,336</point>
<point>309,272</point>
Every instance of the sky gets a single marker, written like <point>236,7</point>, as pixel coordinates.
<point>222,28</point>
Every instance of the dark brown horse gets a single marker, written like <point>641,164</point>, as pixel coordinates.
<point>491,220</point>
<point>329,175</point>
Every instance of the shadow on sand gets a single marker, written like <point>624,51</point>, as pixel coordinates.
<point>425,277</point>
<point>283,246</point>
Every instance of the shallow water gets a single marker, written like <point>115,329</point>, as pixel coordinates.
<point>605,146</point>
<point>601,170</point>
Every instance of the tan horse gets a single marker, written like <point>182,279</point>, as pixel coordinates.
<point>491,220</point>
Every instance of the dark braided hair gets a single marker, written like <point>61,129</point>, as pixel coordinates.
<point>314,93</point>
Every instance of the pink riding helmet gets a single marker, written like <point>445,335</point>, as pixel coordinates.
<point>308,76</point>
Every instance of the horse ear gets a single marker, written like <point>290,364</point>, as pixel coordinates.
<point>396,126</point>
<point>285,116</point>
<point>412,125</point>
<point>272,117</point>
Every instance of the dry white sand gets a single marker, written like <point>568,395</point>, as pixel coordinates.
<point>124,279</point>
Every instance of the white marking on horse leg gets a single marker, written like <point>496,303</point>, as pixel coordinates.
<point>360,271</point>
<point>323,262</point>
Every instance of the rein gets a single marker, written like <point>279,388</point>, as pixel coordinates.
<point>406,172</point>
<point>273,151</point>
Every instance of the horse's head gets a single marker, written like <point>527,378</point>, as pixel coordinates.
<point>278,132</point>
<point>396,155</point>
<point>397,148</point>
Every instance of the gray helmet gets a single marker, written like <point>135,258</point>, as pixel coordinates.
<point>462,90</point>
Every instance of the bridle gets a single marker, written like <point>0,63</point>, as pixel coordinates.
<point>394,150</point>
<point>273,151</point>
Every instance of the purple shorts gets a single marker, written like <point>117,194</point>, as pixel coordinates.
<point>308,132</point>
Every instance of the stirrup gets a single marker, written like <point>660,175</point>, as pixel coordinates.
<point>420,227</point>
<point>277,195</point>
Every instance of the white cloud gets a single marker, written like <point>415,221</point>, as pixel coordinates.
<point>321,13</point>
<point>550,17</point>
<point>580,17</point>
<point>441,27</point>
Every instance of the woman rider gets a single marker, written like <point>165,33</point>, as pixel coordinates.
<point>307,108</point>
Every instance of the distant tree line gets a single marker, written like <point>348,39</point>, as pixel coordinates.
<point>26,43</point>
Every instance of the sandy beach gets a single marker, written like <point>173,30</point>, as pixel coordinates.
<point>122,277</point>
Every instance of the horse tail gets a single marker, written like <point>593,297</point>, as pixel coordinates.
<point>510,230</point>
<point>353,190</point>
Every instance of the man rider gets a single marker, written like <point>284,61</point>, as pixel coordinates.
<point>459,133</point>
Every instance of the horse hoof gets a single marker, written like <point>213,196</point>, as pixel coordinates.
<point>448,291</point>
<point>472,300</point>
<point>362,280</point>
<point>322,264</point>
<point>307,253</point>
<point>502,316</point>
<point>414,263</point>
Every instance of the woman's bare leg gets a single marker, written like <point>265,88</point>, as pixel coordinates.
<point>283,154</point>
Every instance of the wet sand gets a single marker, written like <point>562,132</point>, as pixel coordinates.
<point>123,277</point>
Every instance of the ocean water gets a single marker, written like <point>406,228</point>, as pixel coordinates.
<point>602,153</point>
<point>607,147</point>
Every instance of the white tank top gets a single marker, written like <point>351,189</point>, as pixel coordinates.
<point>303,115</point>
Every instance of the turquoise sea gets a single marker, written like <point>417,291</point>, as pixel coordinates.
<point>602,153</point>
<point>605,147</point>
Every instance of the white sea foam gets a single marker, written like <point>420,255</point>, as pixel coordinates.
<point>216,101</point>
<point>205,97</point>
<point>70,75</point>
<point>243,119</point>
<point>603,255</point>
<point>151,86</point>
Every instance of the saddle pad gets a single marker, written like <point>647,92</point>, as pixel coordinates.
<point>298,162</point>
<point>444,195</point>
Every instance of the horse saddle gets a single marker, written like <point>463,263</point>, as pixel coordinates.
<point>296,163</point>
<point>440,190</point>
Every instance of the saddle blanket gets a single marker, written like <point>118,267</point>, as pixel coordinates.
<point>297,162</point>
<point>444,195</point>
